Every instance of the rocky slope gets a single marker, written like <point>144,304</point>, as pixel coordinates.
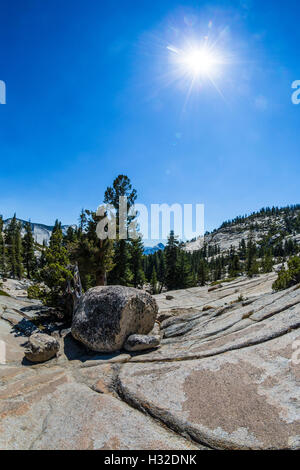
<point>225,377</point>
<point>258,225</point>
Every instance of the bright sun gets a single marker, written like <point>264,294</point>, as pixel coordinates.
<point>198,61</point>
<point>197,64</point>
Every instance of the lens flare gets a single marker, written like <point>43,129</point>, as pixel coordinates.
<point>196,63</point>
<point>199,62</point>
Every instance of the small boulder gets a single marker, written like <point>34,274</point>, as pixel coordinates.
<point>41,347</point>
<point>106,316</point>
<point>141,343</point>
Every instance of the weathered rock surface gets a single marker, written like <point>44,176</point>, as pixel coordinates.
<point>156,331</point>
<point>226,377</point>
<point>56,412</point>
<point>15,287</point>
<point>236,382</point>
<point>41,347</point>
<point>141,342</point>
<point>246,399</point>
<point>195,299</point>
<point>106,316</point>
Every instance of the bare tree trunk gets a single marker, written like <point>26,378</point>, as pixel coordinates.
<point>101,279</point>
<point>74,287</point>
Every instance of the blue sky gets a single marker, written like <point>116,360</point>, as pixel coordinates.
<point>91,93</point>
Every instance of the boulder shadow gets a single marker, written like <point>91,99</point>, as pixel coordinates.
<point>74,350</point>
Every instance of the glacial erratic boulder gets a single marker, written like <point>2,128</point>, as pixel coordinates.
<point>41,347</point>
<point>106,316</point>
<point>141,342</point>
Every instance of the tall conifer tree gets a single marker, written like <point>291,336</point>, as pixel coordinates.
<point>171,262</point>
<point>13,243</point>
<point>121,273</point>
<point>2,249</point>
<point>29,259</point>
<point>136,262</point>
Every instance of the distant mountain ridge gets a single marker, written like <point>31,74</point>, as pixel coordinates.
<point>151,250</point>
<point>41,232</point>
<point>276,223</point>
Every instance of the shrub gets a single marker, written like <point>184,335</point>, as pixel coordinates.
<point>290,276</point>
<point>36,292</point>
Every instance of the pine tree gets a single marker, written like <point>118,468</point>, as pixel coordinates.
<point>121,273</point>
<point>267,262</point>
<point>2,250</point>
<point>162,269</point>
<point>234,267</point>
<point>136,262</point>
<point>202,272</point>
<point>242,250</point>
<point>122,187</point>
<point>217,269</point>
<point>55,273</point>
<point>171,262</point>
<point>42,260</point>
<point>19,252</point>
<point>10,231</point>
<point>29,259</point>
<point>184,272</point>
<point>252,267</point>
<point>70,236</point>
<point>154,282</point>
<point>94,256</point>
<point>13,242</point>
<point>82,221</point>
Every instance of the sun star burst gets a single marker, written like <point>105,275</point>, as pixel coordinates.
<point>197,63</point>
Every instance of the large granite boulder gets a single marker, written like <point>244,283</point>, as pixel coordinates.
<point>106,316</point>
<point>41,347</point>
